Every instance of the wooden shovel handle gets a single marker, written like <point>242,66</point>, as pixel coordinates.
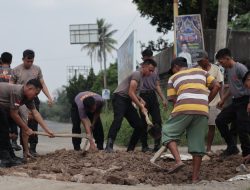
<point>62,134</point>
<point>148,121</point>
<point>158,154</point>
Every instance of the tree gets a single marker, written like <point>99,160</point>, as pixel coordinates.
<point>241,23</point>
<point>60,110</point>
<point>112,79</point>
<point>76,85</point>
<point>66,95</point>
<point>161,11</point>
<point>91,51</point>
<point>104,46</point>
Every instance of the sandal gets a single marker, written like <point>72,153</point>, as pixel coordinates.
<point>176,168</point>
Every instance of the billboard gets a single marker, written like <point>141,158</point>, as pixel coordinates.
<point>189,37</point>
<point>126,57</point>
<point>83,33</point>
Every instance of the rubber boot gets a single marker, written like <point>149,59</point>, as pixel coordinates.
<point>32,149</point>
<point>109,146</point>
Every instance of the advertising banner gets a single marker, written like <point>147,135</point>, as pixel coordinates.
<point>126,58</point>
<point>189,37</point>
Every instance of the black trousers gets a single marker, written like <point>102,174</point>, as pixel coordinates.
<point>97,131</point>
<point>123,107</point>
<point>236,112</point>
<point>32,124</point>
<point>153,108</point>
<point>4,132</point>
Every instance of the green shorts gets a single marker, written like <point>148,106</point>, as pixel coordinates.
<point>195,127</point>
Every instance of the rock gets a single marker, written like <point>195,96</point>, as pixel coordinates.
<point>206,158</point>
<point>87,165</point>
<point>242,168</point>
<point>131,181</point>
<point>20,174</point>
<point>115,180</point>
<point>1,172</point>
<point>114,168</point>
<point>79,178</point>
<point>73,171</point>
<point>56,170</point>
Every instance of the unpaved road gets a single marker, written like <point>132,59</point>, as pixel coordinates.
<point>101,168</point>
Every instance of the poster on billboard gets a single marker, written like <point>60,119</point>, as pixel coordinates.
<point>126,57</point>
<point>189,37</point>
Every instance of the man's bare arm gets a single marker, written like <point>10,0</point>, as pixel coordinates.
<point>213,92</point>
<point>159,92</point>
<point>19,121</point>
<point>132,94</point>
<point>37,116</point>
<point>87,125</point>
<point>46,92</point>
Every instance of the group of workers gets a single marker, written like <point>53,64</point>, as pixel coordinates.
<point>196,93</point>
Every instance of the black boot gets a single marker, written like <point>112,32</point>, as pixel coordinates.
<point>32,149</point>
<point>15,146</point>
<point>109,146</point>
<point>6,160</point>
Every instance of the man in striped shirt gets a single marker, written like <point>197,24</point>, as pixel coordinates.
<point>188,89</point>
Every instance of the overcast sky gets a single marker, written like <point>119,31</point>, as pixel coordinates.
<point>43,25</point>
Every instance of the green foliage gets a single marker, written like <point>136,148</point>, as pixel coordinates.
<point>124,133</point>
<point>111,80</point>
<point>161,11</point>
<point>76,85</point>
<point>241,23</point>
<point>59,111</point>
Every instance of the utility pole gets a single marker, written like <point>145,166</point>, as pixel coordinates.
<point>221,31</point>
<point>176,13</point>
<point>104,71</point>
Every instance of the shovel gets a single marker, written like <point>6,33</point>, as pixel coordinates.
<point>156,156</point>
<point>153,130</point>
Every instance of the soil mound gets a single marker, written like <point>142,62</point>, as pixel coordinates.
<point>119,168</point>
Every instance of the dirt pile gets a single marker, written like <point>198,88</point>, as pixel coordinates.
<point>119,168</point>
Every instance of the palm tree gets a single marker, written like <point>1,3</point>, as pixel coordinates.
<point>104,46</point>
<point>91,51</point>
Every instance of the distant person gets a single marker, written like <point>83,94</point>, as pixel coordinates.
<point>5,75</point>
<point>123,96</point>
<point>5,69</point>
<point>11,98</point>
<point>215,72</point>
<point>23,73</point>
<point>187,89</point>
<point>238,111</point>
<point>185,53</point>
<point>148,92</point>
<point>86,109</point>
